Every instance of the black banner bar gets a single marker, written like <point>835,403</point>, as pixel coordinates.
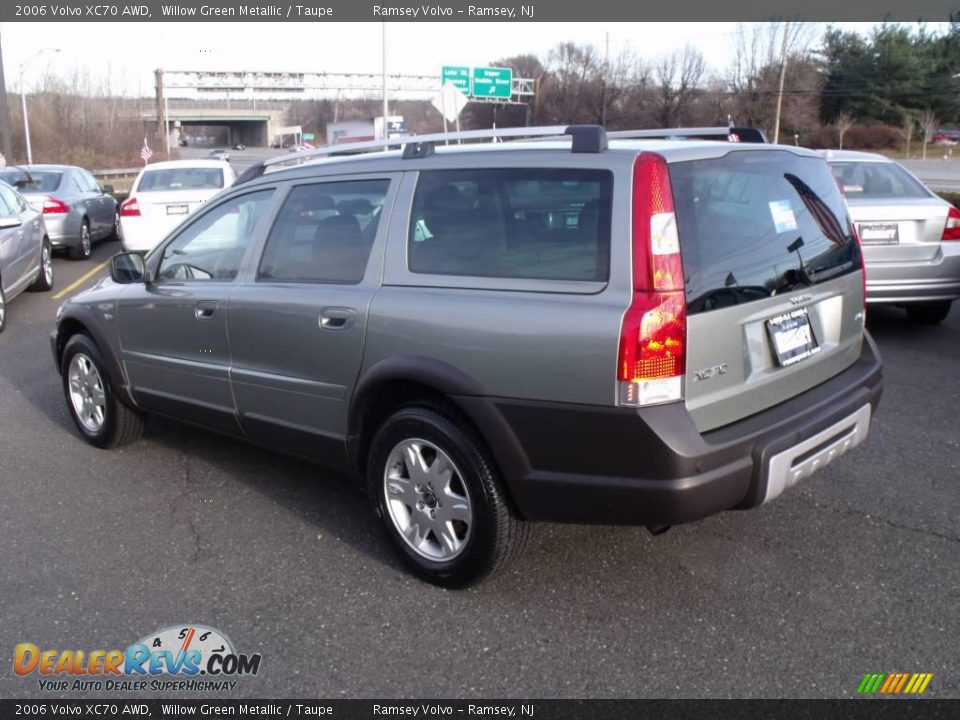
<point>321,11</point>
<point>859,709</point>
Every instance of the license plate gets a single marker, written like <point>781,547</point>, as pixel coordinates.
<point>178,209</point>
<point>879,234</point>
<point>792,337</point>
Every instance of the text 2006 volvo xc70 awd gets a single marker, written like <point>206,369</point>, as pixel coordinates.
<point>580,329</point>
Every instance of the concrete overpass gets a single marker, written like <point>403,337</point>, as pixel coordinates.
<point>220,125</point>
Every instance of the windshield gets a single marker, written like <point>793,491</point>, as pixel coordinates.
<point>755,224</point>
<point>201,178</point>
<point>877,180</point>
<point>35,181</point>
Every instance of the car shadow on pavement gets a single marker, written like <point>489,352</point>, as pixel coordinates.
<point>887,322</point>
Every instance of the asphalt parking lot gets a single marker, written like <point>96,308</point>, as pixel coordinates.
<point>853,571</point>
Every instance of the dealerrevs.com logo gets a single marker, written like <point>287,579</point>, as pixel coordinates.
<point>195,656</point>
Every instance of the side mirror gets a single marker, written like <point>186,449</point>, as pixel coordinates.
<point>107,189</point>
<point>6,223</point>
<point>127,268</point>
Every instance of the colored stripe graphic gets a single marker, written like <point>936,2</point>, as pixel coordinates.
<point>894,683</point>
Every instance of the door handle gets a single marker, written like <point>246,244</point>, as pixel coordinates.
<point>205,309</point>
<point>336,318</point>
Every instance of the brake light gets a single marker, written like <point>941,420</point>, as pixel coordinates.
<point>952,229</point>
<point>52,206</point>
<point>863,266</point>
<point>130,208</point>
<point>653,336</point>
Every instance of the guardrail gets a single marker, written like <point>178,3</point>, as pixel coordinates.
<point>121,178</point>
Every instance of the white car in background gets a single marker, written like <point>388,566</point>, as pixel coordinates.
<point>165,193</point>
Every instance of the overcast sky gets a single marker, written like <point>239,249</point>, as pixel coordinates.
<point>129,52</point>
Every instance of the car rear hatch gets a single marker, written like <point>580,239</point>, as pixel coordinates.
<point>773,280</point>
<point>167,195</point>
<point>899,219</point>
<point>899,230</point>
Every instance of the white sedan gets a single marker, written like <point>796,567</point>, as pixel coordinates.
<point>165,193</point>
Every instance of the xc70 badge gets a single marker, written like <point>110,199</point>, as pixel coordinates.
<point>710,372</point>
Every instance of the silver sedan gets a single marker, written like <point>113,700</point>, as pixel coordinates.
<point>910,236</point>
<point>25,252</point>
<point>77,210</point>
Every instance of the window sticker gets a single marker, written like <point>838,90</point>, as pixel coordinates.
<point>783,219</point>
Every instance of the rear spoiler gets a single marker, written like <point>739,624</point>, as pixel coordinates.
<point>729,134</point>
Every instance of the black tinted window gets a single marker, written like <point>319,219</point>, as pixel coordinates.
<point>324,233</point>
<point>753,224</point>
<point>877,180</point>
<point>512,223</point>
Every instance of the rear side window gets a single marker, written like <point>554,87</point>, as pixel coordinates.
<point>324,233</point>
<point>547,224</point>
<point>200,178</point>
<point>756,224</point>
<point>877,180</point>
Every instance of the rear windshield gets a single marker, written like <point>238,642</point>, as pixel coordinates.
<point>877,180</point>
<point>756,224</point>
<point>36,181</point>
<point>181,179</point>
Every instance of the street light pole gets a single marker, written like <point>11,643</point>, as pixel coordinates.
<point>383,124</point>
<point>23,101</point>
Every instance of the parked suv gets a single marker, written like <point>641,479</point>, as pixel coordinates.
<point>634,332</point>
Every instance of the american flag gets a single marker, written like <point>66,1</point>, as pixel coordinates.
<point>145,152</point>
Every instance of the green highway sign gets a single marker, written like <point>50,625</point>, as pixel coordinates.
<point>459,76</point>
<point>309,136</point>
<point>492,82</point>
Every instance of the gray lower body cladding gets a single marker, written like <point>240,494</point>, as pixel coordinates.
<point>585,464</point>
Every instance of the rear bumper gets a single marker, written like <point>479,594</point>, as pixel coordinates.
<point>936,279</point>
<point>62,230</point>
<point>652,467</point>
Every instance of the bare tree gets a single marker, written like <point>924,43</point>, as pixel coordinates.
<point>794,36</point>
<point>678,78</point>
<point>843,123</point>
<point>908,128</point>
<point>929,122</point>
<point>764,80</point>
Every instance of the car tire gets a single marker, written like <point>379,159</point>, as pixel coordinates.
<point>101,418</point>
<point>3,308</point>
<point>929,313</point>
<point>450,528</point>
<point>114,233</point>
<point>44,281</point>
<point>82,250</point>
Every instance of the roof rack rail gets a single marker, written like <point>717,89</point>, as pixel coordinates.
<point>732,134</point>
<point>585,138</point>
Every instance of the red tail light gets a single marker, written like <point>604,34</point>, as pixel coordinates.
<point>952,229</point>
<point>130,208</point>
<point>52,206</point>
<point>653,337</point>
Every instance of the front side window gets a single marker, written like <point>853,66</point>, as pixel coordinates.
<point>324,232</point>
<point>545,224</point>
<point>213,247</point>
<point>8,202</point>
